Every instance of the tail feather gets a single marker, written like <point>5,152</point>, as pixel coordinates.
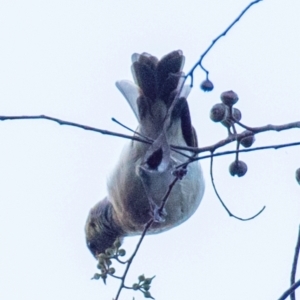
<point>181,111</point>
<point>145,78</point>
<point>158,83</point>
<point>168,72</point>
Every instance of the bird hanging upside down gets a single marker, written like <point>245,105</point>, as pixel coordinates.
<point>145,171</point>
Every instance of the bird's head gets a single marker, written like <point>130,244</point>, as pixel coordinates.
<point>100,229</point>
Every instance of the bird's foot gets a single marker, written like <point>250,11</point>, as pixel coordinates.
<point>180,173</point>
<point>156,213</point>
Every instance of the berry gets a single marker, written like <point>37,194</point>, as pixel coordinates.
<point>109,251</point>
<point>218,112</point>
<point>236,113</point>
<point>121,252</point>
<point>117,243</point>
<point>248,141</point>
<point>229,98</point>
<point>206,86</point>
<point>238,168</point>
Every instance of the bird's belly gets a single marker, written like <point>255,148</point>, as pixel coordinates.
<point>131,201</point>
<point>184,199</point>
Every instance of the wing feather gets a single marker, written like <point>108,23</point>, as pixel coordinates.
<point>131,92</point>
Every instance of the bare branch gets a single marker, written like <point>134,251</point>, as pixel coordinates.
<point>129,262</point>
<point>278,146</point>
<point>165,198</point>
<point>295,263</point>
<point>148,139</point>
<point>147,226</point>
<point>220,199</point>
<point>85,127</point>
<point>289,291</point>
<point>133,131</point>
<point>248,132</point>
<point>270,127</point>
<point>199,62</point>
<point>211,148</point>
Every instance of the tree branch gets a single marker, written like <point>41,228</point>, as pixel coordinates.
<point>129,262</point>
<point>278,146</point>
<point>211,148</point>
<point>85,127</point>
<point>295,264</point>
<point>289,291</point>
<point>199,62</point>
<point>221,201</point>
<point>147,226</point>
<point>249,131</point>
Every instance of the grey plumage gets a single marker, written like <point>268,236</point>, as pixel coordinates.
<point>144,172</point>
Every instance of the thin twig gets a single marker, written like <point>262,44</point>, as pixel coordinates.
<point>120,261</point>
<point>278,146</point>
<point>246,133</point>
<point>147,226</point>
<point>131,130</point>
<point>211,148</point>
<point>165,198</point>
<point>290,290</point>
<point>220,199</point>
<point>129,262</point>
<point>148,139</point>
<point>270,127</point>
<point>295,264</point>
<point>199,62</point>
<point>85,127</point>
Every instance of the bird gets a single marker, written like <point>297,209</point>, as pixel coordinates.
<point>145,170</point>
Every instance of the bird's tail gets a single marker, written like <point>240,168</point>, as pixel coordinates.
<point>158,83</point>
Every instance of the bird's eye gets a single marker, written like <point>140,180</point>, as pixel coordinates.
<point>93,248</point>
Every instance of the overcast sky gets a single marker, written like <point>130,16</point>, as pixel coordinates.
<point>62,58</point>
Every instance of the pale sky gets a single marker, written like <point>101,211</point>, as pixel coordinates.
<point>62,58</point>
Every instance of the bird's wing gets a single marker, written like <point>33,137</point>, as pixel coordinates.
<point>131,92</point>
<point>186,89</point>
